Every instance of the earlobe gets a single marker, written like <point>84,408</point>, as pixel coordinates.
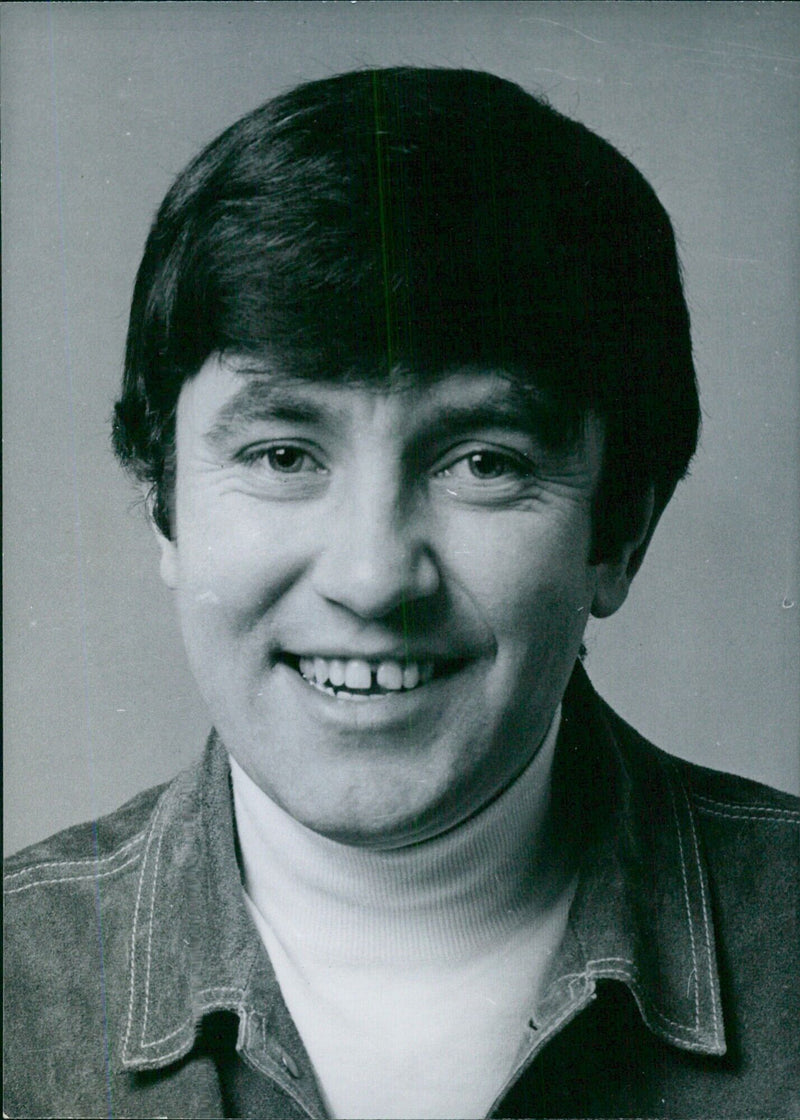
<point>611,589</point>
<point>613,577</point>
<point>168,563</point>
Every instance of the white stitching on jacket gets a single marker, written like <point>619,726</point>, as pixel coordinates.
<point>202,1005</point>
<point>154,822</point>
<point>150,937</point>
<point>71,878</point>
<point>78,862</point>
<point>687,902</point>
<point>632,975</point>
<point>711,985</point>
<point>771,809</point>
<point>759,815</point>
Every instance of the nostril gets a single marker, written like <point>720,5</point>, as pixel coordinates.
<point>377,587</point>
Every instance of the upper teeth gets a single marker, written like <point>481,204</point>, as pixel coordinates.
<point>362,675</point>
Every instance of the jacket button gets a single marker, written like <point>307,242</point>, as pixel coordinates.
<point>289,1064</point>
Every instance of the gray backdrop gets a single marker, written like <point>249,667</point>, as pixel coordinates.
<point>102,105</point>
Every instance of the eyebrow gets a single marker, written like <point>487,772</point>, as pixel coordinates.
<point>512,407</point>
<point>261,399</point>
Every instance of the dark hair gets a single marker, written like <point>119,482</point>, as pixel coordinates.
<point>418,219</point>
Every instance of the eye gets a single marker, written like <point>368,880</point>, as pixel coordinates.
<point>289,460</point>
<point>489,464</point>
<point>482,475</point>
<point>282,458</point>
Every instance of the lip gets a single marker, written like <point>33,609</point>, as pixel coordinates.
<point>402,654</point>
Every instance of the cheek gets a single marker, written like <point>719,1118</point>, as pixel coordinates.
<point>237,552</point>
<point>519,568</point>
<point>233,568</point>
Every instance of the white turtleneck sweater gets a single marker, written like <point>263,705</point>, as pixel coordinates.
<point>411,974</point>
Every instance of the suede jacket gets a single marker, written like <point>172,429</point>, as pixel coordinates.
<point>137,985</point>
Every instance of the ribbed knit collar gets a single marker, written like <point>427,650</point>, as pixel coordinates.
<point>436,901</point>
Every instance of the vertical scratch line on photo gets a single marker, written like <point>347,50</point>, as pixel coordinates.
<point>80,563</point>
<point>380,156</point>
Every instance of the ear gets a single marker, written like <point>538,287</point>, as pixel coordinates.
<point>615,575</point>
<point>168,564</point>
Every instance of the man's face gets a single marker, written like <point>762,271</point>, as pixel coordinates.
<point>382,593</point>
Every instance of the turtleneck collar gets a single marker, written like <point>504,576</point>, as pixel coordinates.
<point>441,900</point>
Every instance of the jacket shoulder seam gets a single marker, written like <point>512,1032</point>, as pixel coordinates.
<point>737,810</point>
<point>71,878</point>
<point>90,867</point>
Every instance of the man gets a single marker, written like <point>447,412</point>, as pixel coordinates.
<point>409,383</point>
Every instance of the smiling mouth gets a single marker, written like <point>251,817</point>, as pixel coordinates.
<point>358,679</point>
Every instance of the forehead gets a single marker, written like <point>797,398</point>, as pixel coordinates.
<point>227,395</point>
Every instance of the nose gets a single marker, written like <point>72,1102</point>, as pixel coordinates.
<point>375,556</point>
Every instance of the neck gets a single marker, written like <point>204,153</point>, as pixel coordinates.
<point>444,899</point>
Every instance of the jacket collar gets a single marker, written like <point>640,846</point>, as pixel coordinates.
<point>193,949</point>
<point>641,913</point>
